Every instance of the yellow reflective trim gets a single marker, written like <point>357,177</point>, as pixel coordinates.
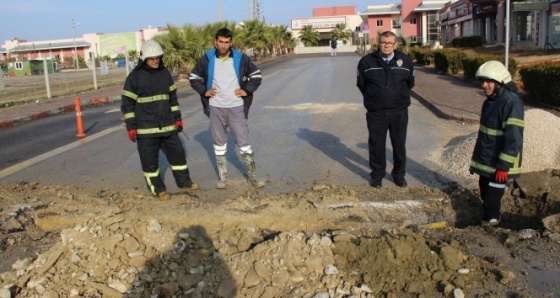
<point>130,94</point>
<point>491,131</point>
<point>153,98</point>
<point>148,177</point>
<point>482,167</point>
<point>179,168</point>
<point>515,121</point>
<point>145,131</point>
<point>514,171</point>
<point>151,174</point>
<point>175,108</point>
<point>172,88</point>
<point>507,158</point>
<point>129,115</point>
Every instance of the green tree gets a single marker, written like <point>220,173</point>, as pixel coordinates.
<point>252,35</point>
<point>309,36</point>
<point>133,55</point>
<point>284,40</point>
<point>341,33</point>
<point>182,47</point>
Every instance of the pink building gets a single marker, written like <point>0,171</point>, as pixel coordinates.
<point>334,11</point>
<point>415,20</point>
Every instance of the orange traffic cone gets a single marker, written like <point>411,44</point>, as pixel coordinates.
<point>81,133</point>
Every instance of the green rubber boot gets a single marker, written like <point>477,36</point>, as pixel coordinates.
<point>249,161</point>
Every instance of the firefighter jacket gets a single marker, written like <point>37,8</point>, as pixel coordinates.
<point>385,87</point>
<point>248,75</point>
<point>149,102</point>
<point>499,144</point>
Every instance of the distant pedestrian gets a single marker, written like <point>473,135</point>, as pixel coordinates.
<point>153,120</point>
<point>385,78</point>
<point>226,80</point>
<point>334,44</point>
<point>499,146</point>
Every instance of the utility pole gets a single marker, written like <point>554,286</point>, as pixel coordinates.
<point>256,10</point>
<point>76,64</point>
<point>250,9</point>
<point>506,44</point>
<point>219,10</point>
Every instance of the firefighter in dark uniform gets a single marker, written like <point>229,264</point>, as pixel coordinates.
<point>499,145</point>
<point>153,120</point>
<point>385,78</point>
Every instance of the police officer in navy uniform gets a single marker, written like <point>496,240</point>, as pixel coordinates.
<point>385,78</point>
<point>153,120</point>
<point>334,44</point>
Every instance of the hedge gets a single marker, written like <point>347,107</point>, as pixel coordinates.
<point>541,82</point>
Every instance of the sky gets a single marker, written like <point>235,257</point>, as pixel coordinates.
<point>37,20</point>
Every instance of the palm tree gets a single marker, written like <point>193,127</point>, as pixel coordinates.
<point>133,55</point>
<point>284,39</point>
<point>252,34</point>
<point>309,36</point>
<point>182,48</point>
<point>341,33</point>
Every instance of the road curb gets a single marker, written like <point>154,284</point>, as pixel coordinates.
<point>55,111</point>
<point>439,113</point>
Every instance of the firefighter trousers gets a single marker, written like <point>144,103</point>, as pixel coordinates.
<point>491,193</point>
<point>172,148</point>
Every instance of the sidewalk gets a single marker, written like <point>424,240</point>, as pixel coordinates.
<point>13,116</point>
<point>446,96</point>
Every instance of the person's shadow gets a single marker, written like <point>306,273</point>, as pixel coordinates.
<point>192,268</point>
<point>331,146</point>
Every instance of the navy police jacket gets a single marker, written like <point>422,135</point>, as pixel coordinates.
<point>386,87</point>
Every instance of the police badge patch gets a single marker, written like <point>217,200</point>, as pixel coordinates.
<point>399,62</point>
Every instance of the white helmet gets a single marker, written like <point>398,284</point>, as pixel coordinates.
<point>493,70</point>
<point>150,49</point>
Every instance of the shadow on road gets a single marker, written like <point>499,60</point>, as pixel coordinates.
<point>193,268</point>
<point>333,148</point>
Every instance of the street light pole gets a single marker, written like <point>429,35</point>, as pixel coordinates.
<point>219,10</point>
<point>76,64</point>
<point>506,44</point>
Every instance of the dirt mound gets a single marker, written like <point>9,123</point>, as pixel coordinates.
<point>328,241</point>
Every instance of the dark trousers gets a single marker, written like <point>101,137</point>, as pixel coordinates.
<point>378,124</point>
<point>491,193</point>
<point>171,146</point>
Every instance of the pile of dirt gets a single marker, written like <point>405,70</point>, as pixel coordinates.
<point>541,151</point>
<point>327,241</point>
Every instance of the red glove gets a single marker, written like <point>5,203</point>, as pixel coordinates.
<point>501,176</point>
<point>179,124</point>
<point>132,134</point>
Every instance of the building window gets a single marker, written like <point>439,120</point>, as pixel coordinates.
<point>379,23</point>
<point>19,65</point>
<point>413,21</point>
<point>432,28</point>
<point>396,24</point>
<point>413,38</point>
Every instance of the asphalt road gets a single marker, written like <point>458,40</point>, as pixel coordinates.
<point>307,124</point>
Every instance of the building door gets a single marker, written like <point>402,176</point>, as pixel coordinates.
<point>523,26</point>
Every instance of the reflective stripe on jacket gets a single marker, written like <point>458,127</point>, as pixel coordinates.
<point>149,102</point>
<point>385,87</point>
<point>499,144</point>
